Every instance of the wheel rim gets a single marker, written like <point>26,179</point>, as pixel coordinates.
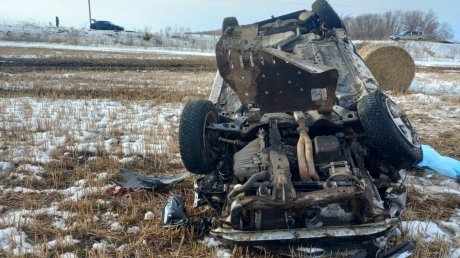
<point>402,123</point>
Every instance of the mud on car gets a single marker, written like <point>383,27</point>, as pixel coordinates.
<point>298,147</point>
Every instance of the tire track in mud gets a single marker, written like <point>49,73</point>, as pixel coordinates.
<point>19,65</point>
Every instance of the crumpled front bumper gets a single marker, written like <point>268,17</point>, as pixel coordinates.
<point>335,232</point>
<point>364,239</point>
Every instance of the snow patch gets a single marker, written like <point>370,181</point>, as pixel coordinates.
<point>134,230</point>
<point>223,253</point>
<point>102,246</point>
<point>31,168</point>
<point>67,242</point>
<point>5,166</point>
<point>149,216</point>
<point>115,49</point>
<point>13,240</point>
<point>436,87</point>
<point>404,255</point>
<point>115,226</point>
<point>210,242</point>
<point>426,229</point>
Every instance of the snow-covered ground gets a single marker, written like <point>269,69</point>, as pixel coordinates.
<point>106,48</point>
<point>88,124</point>
<point>445,83</point>
<point>171,41</point>
<point>425,53</point>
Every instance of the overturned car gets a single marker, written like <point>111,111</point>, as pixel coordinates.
<point>297,145</point>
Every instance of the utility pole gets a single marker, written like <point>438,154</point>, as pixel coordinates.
<point>89,8</point>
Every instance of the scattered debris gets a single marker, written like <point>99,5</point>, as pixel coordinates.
<point>136,182</point>
<point>174,211</point>
<point>203,225</point>
<point>403,250</point>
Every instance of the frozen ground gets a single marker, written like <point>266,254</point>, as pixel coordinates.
<point>104,48</point>
<point>178,42</point>
<point>177,38</point>
<point>141,128</point>
<point>60,142</point>
<point>445,83</point>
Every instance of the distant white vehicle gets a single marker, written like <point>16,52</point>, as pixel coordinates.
<point>409,35</point>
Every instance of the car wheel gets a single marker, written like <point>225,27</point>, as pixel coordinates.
<point>195,142</point>
<point>229,22</point>
<point>327,14</point>
<point>389,131</point>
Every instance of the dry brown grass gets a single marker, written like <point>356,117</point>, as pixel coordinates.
<point>436,121</point>
<point>159,86</point>
<point>91,224</point>
<point>131,87</point>
<point>436,206</point>
<point>69,54</point>
<point>423,207</point>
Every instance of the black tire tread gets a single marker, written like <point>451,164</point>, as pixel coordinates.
<point>383,135</point>
<point>191,129</point>
<point>229,22</point>
<point>327,14</point>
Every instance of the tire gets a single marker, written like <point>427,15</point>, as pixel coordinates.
<point>389,132</point>
<point>194,141</point>
<point>229,22</point>
<point>327,14</point>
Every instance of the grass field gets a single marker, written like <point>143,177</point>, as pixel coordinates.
<point>66,127</point>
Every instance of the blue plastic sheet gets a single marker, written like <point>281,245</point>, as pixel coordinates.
<point>446,166</point>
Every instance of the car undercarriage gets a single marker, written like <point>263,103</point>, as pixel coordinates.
<point>298,147</point>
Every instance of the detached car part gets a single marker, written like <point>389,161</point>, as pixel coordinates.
<point>174,211</point>
<point>135,182</point>
<point>298,146</point>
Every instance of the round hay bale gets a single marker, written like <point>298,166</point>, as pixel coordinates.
<point>392,66</point>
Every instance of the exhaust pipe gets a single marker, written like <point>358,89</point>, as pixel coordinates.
<point>305,151</point>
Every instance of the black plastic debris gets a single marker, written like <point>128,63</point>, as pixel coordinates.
<point>174,211</point>
<point>136,182</point>
<point>203,225</point>
<point>404,249</point>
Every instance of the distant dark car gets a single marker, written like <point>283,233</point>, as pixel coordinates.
<point>104,25</point>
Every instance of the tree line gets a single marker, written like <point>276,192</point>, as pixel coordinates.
<point>376,26</point>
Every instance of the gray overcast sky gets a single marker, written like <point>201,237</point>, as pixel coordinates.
<point>202,14</point>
